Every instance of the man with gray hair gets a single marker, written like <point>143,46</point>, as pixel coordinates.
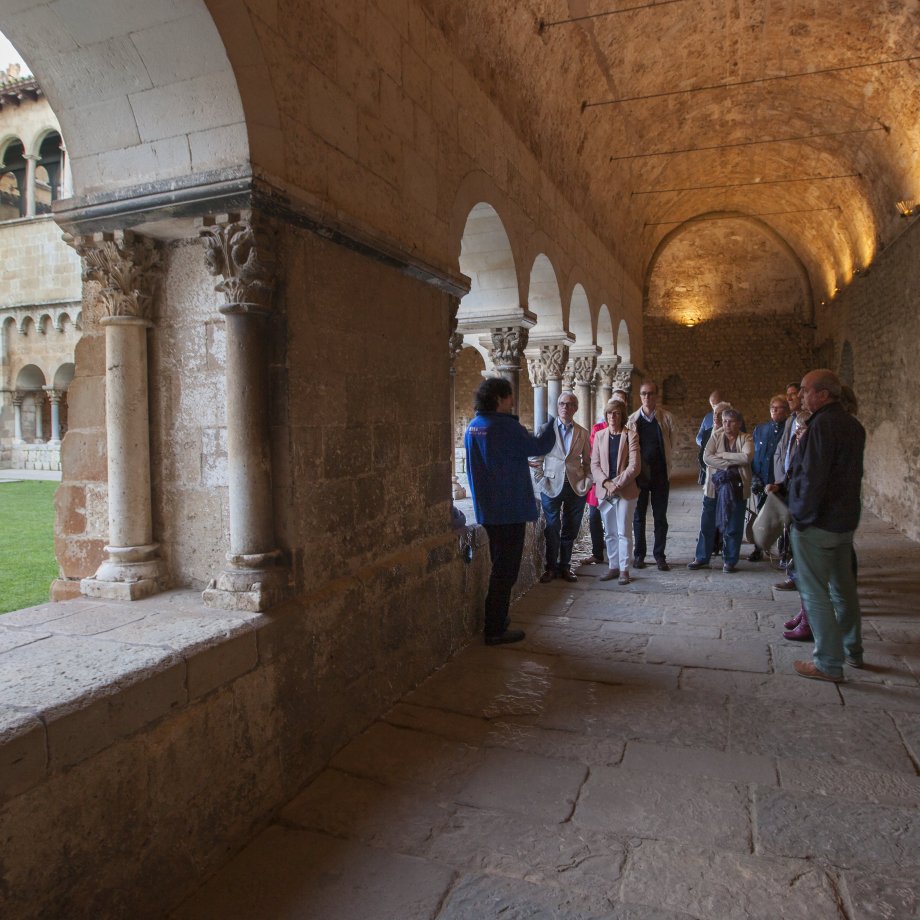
<point>824,499</point>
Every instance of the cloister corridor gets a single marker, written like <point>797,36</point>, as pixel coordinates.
<point>646,753</point>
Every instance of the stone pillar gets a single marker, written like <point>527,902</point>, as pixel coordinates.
<point>536,370</point>
<point>38,401</point>
<point>583,370</point>
<point>66,176</point>
<point>17,417</point>
<point>508,344</point>
<point>239,251</point>
<point>606,372</point>
<point>128,268</point>
<point>623,378</point>
<point>554,360</point>
<point>455,346</point>
<point>55,398</point>
<point>29,191</point>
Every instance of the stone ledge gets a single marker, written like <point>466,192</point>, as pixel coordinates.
<point>79,675</point>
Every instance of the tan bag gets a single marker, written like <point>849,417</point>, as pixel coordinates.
<point>771,520</point>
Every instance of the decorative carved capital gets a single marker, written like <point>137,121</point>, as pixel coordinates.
<point>454,345</point>
<point>454,308</point>
<point>623,379</point>
<point>606,373</point>
<point>583,368</point>
<point>240,251</point>
<point>128,268</point>
<point>554,359</point>
<point>568,376</point>
<point>536,370</point>
<point>18,397</point>
<point>54,396</point>
<point>508,344</point>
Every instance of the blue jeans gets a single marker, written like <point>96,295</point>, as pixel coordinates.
<point>563,519</point>
<point>731,539</point>
<point>827,583</point>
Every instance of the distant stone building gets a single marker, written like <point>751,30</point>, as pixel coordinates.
<point>40,286</point>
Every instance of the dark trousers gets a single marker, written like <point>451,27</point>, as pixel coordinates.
<point>596,527</point>
<point>658,491</point>
<point>506,546</point>
<point>563,519</point>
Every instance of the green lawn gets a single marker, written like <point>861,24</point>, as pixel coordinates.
<point>27,563</point>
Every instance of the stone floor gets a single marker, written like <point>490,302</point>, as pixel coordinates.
<point>646,754</point>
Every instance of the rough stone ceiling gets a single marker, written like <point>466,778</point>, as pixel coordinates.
<point>831,193</point>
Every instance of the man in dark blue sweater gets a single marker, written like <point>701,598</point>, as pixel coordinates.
<point>766,437</point>
<point>497,450</point>
<point>824,499</point>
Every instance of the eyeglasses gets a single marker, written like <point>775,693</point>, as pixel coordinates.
<point>648,393</point>
<point>778,407</point>
<point>571,405</point>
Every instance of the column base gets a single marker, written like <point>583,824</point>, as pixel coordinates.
<point>252,583</point>
<point>130,573</point>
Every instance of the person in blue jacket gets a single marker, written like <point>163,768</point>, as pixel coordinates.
<point>766,437</point>
<point>497,449</point>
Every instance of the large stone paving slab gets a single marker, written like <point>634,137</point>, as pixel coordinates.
<point>847,833</point>
<point>718,654</point>
<point>292,874</point>
<point>876,896</point>
<point>685,808</point>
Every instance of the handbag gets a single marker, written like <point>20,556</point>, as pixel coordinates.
<point>771,520</point>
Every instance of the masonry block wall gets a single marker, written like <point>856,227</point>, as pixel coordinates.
<point>871,334</point>
<point>749,358</point>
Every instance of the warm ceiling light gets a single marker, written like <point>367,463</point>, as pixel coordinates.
<point>907,208</point>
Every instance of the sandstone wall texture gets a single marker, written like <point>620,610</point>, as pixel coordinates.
<point>870,334</point>
<point>748,358</point>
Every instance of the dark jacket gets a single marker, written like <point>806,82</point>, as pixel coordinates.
<point>766,437</point>
<point>826,473</point>
<point>497,448</point>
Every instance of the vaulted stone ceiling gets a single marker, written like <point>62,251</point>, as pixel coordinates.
<point>821,159</point>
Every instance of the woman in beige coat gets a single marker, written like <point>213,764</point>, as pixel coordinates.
<point>614,467</point>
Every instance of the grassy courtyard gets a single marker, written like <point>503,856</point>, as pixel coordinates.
<point>27,563</point>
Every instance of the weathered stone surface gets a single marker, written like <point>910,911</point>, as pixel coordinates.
<point>709,653</point>
<point>542,787</point>
<point>691,809</point>
<point>315,877</point>
<point>779,688</point>
<point>726,766</point>
<point>846,833</point>
<point>23,752</point>
<point>710,883</point>
<point>846,782</point>
<point>883,896</point>
<point>14,638</point>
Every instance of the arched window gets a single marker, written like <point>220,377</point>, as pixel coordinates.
<point>12,183</point>
<point>48,173</point>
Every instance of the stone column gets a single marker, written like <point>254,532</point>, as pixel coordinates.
<point>606,371</point>
<point>38,401</point>
<point>568,377</point>
<point>17,417</point>
<point>129,269</point>
<point>55,398</point>
<point>239,251</point>
<point>455,346</point>
<point>536,370</point>
<point>623,378</point>
<point>583,368</point>
<point>29,191</point>
<point>508,344</point>
<point>554,359</point>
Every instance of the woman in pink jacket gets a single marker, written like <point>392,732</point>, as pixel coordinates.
<point>614,468</point>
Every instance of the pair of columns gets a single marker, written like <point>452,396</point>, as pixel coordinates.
<point>129,270</point>
<point>38,396</point>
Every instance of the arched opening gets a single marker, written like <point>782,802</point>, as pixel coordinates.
<point>49,174</point>
<point>30,382</point>
<point>12,182</point>
<point>469,369</point>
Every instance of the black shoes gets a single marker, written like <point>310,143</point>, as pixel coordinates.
<point>698,564</point>
<point>509,635</point>
<point>663,566</point>
<point>638,563</point>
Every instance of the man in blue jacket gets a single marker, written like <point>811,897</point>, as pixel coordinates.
<point>766,437</point>
<point>497,449</point>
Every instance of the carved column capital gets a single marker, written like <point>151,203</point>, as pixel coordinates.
<point>54,396</point>
<point>454,346</point>
<point>453,303</point>
<point>606,372</point>
<point>508,344</point>
<point>239,250</point>
<point>536,370</point>
<point>554,359</point>
<point>583,368</point>
<point>623,378</point>
<point>128,268</point>
<point>568,376</point>
<point>18,397</point>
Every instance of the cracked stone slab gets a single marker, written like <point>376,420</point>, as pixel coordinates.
<point>848,833</point>
<point>702,615</point>
<point>578,644</point>
<point>908,724</point>
<point>711,884</point>
<point>15,638</point>
<point>780,689</point>
<point>887,669</point>
<point>633,713</point>
<point>452,725</point>
<point>361,809</point>
<point>726,766</point>
<point>515,781</point>
<point>400,757</point>
<point>548,742</point>
<point>576,859</point>
<point>689,631</point>
<point>692,809</point>
<point>292,873</point>
<point>884,896</point>
<point>846,737</point>
<point>618,673</point>
<point>821,778</point>
<point>92,621</point>
<point>43,614</point>
<point>709,653</point>
<point>879,696</point>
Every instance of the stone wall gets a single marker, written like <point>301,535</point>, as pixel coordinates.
<point>870,333</point>
<point>749,358</point>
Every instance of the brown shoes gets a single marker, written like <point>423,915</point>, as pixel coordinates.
<point>609,575</point>
<point>812,672</point>
<point>568,575</point>
<point>787,585</point>
<point>547,577</point>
